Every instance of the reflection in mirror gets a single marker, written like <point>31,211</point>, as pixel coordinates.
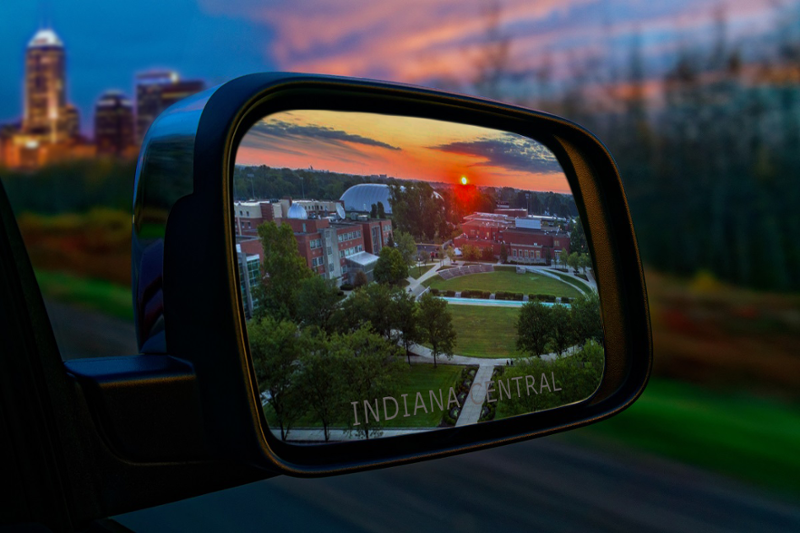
<point>402,275</point>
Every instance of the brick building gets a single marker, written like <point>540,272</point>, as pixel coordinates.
<point>529,240</point>
<point>332,246</point>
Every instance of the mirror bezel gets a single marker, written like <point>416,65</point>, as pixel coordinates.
<point>201,223</point>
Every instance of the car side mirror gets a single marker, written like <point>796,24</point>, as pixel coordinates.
<point>353,269</point>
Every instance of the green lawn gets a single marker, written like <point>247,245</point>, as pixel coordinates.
<point>485,331</point>
<point>419,378</point>
<point>416,273</point>
<point>423,378</point>
<point>572,281</point>
<point>505,281</point>
<point>750,438</point>
<point>98,295</point>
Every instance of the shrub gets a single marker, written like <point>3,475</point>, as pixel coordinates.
<point>450,294</point>
<point>435,292</point>
<point>565,300</point>
<point>346,287</point>
<point>518,296</point>
<point>542,297</point>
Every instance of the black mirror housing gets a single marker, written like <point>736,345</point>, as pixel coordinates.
<point>186,280</point>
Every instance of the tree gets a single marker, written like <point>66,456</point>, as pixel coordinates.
<point>390,241</point>
<point>573,260</point>
<point>416,209</point>
<point>561,331</point>
<point>584,262</point>
<point>547,256</point>
<point>405,317</point>
<point>503,253</point>
<point>577,239</point>
<point>586,321</point>
<point>322,382</point>
<point>373,211</point>
<point>404,243</point>
<point>391,267</point>
<point>381,211</point>
<point>487,254</point>
<point>274,349</point>
<point>284,269</point>
<point>470,252</point>
<point>317,301</point>
<point>360,279</point>
<point>562,259</point>
<point>436,326</point>
<point>533,328</point>
<point>371,367</point>
<point>450,252</point>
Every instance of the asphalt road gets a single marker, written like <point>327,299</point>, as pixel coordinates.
<point>550,484</point>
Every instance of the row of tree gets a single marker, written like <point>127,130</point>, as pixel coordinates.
<point>543,329</point>
<point>707,147</point>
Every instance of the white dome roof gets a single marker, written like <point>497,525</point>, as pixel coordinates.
<point>297,211</point>
<point>45,38</point>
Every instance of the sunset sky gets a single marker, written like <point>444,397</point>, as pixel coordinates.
<point>415,41</point>
<point>401,147</point>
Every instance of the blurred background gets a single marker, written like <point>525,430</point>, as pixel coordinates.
<point>699,102</point>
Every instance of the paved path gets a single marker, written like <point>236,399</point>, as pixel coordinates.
<point>471,412</point>
<point>423,354</point>
<point>416,287</point>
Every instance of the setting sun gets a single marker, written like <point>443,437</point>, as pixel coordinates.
<point>463,180</point>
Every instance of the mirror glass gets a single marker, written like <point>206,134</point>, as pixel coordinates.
<point>402,275</point>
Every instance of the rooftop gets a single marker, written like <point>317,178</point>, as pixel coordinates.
<point>45,38</point>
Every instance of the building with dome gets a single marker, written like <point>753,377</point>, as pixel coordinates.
<point>360,198</point>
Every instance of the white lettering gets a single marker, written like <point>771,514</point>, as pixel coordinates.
<point>507,388</point>
<point>405,405</point>
<point>516,380</point>
<point>439,401</point>
<point>554,382</point>
<point>489,391</point>
<point>419,402</point>
<point>368,409</point>
<point>530,385</point>
<point>396,409</point>
<point>355,412</point>
<point>472,396</point>
<point>543,383</point>
<point>452,398</point>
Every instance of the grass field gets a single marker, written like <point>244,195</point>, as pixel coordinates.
<point>485,331</point>
<point>505,281</point>
<point>572,281</point>
<point>419,378</point>
<point>740,435</point>
<point>423,378</point>
<point>98,295</point>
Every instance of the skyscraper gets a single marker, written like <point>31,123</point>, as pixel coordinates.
<point>45,89</point>
<point>113,123</point>
<point>156,91</point>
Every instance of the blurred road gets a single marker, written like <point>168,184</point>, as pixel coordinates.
<point>549,484</point>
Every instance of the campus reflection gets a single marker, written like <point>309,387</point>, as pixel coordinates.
<point>402,275</point>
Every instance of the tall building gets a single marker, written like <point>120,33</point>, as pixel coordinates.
<point>45,111</point>
<point>156,91</point>
<point>113,123</point>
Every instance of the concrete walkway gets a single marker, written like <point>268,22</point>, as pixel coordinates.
<point>416,287</point>
<point>471,412</point>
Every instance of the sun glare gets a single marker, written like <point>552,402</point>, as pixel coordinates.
<point>463,180</point>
